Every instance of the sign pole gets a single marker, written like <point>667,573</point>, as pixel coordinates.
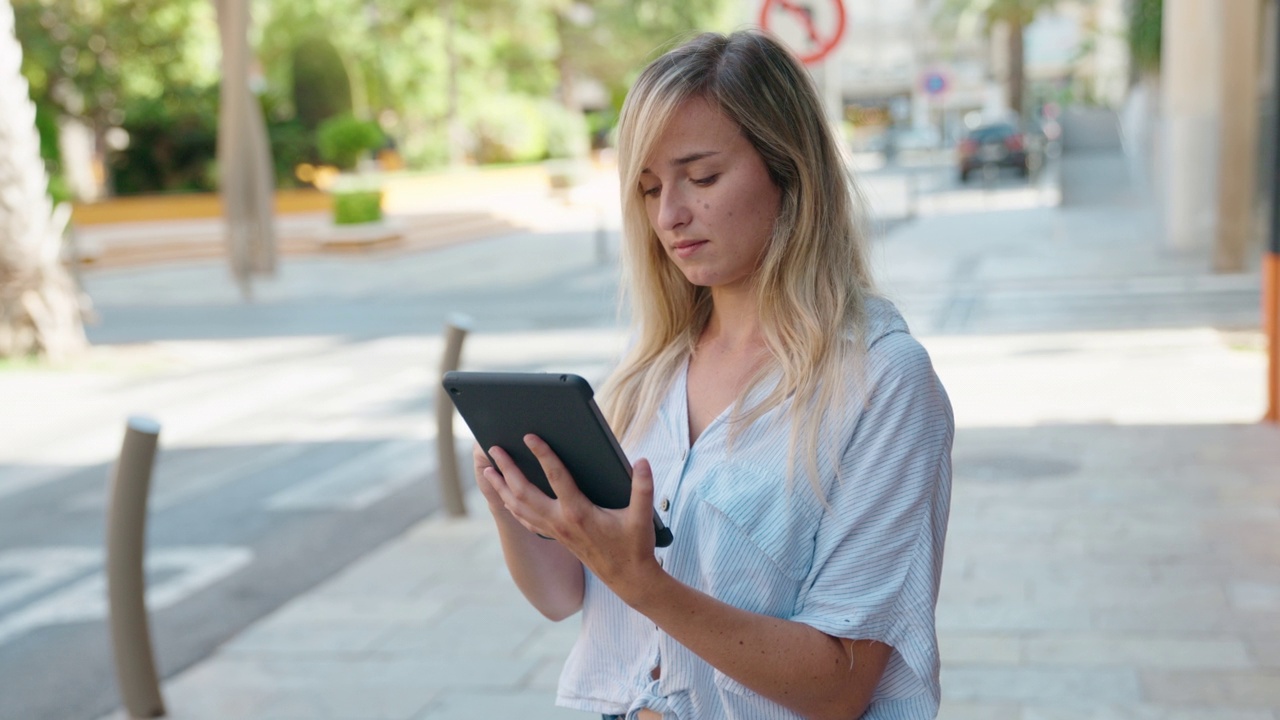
<point>1271,265</point>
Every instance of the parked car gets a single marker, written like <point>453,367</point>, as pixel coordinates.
<point>1001,145</point>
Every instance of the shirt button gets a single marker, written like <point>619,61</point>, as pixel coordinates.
<point>665,505</point>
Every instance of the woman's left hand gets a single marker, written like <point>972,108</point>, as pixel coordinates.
<point>616,545</point>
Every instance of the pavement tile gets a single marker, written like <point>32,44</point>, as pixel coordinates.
<point>1264,647</point>
<point>551,639</point>
<point>1189,597</point>
<point>526,704</point>
<point>952,710</point>
<point>297,691</point>
<point>979,649</point>
<point>1153,651</point>
<point>486,618</point>
<point>1254,595</point>
<point>993,589</point>
<point>546,673</point>
<point>1010,617</point>
<point>1245,689</point>
<point>1146,712</point>
<point>1074,688</point>
<point>310,637</point>
<point>1161,620</point>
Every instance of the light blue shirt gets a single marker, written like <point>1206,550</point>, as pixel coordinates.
<point>866,567</point>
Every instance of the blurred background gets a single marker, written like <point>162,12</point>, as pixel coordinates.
<point>254,221</point>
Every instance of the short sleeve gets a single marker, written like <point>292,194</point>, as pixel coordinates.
<point>878,552</point>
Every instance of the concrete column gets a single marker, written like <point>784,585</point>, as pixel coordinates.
<point>1190,90</point>
<point>1238,159</point>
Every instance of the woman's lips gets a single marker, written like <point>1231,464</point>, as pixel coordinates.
<point>686,248</point>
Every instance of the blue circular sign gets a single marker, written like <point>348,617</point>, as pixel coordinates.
<point>935,83</point>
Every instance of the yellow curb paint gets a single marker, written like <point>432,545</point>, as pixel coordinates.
<point>186,206</point>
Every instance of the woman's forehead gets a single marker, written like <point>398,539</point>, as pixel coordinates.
<point>696,129</point>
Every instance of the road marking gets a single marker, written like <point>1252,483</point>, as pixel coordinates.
<point>362,480</point>
<point>25,573</point>
<point>16,480</point>
<point>185,571</point>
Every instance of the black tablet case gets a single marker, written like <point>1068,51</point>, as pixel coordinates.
<point>501,408</point>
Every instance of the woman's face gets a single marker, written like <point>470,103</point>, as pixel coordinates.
<point>709,197</point>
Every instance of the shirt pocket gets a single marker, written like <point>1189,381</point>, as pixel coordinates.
<point>779,521</point>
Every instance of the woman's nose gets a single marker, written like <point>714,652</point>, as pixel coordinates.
<point>673,210</point>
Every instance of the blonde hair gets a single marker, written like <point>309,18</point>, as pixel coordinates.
<point>813,279</point>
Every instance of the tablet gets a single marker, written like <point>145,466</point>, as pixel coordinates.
<point>502,407</point>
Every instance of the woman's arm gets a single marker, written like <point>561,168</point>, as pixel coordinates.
<point>549,575</point>
<point>793,664</point>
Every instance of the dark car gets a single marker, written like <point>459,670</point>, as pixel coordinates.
<point>1000,145</point>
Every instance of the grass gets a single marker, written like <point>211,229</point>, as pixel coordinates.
<point>24,363</point>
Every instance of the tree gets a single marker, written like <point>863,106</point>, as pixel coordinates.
<point>611,40</point>
<point>39,307</point>
<point>88,60</point>
<point>1145,31</point>
<point>1016,15</point>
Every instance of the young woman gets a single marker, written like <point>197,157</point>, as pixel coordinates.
<point>787,427</point>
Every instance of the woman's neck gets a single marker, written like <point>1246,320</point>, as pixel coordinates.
<point>734,325</point>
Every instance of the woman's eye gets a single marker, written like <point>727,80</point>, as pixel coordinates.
<point>708,180</point>
<point>651,192</point>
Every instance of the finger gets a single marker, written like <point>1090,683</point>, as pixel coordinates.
<point>494,487</point>
<point>516,485</point>
<point>478,458</point>
<point>641,507</point>
<point>562,483</point>
<point>504,502</point>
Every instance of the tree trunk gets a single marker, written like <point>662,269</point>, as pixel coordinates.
<point>453,112</point>
<point>564,66</point>
<point>244,157</point>
<point>40,312</point>
<point>1017,81</point>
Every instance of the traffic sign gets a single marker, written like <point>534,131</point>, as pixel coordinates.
<point>822,31</point>
<point>934,83</point>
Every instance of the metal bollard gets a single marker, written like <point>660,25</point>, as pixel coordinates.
<point>456,328</point>
<point>126,576</point>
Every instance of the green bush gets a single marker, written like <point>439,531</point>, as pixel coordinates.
<point>343,139</point>
<point>567,133</point>
<point>357,206</point>
<point>321,86</point>
<point>1145,24</point>
<point>509,128</point>
<point>291,145</point>
<point>59,191</point>
<point>173,143</point>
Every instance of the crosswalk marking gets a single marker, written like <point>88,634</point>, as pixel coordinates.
<point>362,480</point>
<point>78,571</point>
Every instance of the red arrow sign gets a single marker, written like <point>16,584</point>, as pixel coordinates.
<point>820,44</point>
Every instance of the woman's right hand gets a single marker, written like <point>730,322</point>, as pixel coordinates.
<point>548,574</point>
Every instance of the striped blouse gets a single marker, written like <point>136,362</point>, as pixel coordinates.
<point>867,566</point>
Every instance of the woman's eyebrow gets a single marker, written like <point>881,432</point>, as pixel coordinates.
<point>685,160</point>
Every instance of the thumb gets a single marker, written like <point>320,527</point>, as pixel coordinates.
<point>642,490</point>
